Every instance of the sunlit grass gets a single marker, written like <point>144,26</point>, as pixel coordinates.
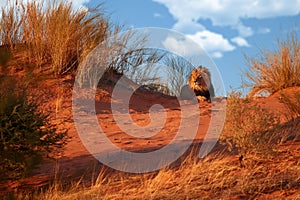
<point>53,32</point>
<point>217,176</point>
<point>276,70</point>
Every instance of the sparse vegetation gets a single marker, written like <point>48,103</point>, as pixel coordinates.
<point>214,177</point>
<point>179,70</point>
<point>247,126</point>
<point>116,56</point>
<point>277,70</point>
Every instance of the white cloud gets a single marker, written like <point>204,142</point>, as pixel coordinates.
<point>190,27</point>
<point>79,4</point>
<point>194,44</point>
<point>229,12</point>
<point>264,30</point>
<point>157,15</point>
<point>244,31</point>
<point>240,42</point>
<point>182,46</point>
<point>213,43</point>
<point>216,54</point>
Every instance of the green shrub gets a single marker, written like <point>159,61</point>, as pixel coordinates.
<point>25,133</point>
<point>276,70</point>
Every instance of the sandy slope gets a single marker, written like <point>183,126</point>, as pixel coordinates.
<point>71,159</point>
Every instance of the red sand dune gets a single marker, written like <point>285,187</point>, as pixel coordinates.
<point>73,160</point>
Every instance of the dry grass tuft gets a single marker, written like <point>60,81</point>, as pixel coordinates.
<point>10,25</point>
<point>276,70</point>
<point>53,32</point>
<point>292,104</point>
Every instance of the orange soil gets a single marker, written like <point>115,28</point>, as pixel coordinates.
<point>73,160</point>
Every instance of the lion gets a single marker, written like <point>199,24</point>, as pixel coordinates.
<point>200,83</point>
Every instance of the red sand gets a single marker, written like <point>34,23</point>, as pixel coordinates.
<point>73,159</point>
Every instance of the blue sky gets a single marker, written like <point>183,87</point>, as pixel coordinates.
<point>225,29</point>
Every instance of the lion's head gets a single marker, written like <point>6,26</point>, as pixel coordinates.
<point>200,82</point>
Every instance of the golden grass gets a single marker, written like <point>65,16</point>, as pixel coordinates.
<point>53,32</point>
<point>218,176</point>
<point>276,70</point>
<point>292,104</point>
<point>10,24</point>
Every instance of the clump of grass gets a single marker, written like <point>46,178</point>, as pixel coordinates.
<point>277,70</point>
<point>53,32</point>
<point>247,126</point>
<point>55,36</point>
<point>34,32</point>
<point>292,104</point>
<point>73,34</point>
<point>10,24</point>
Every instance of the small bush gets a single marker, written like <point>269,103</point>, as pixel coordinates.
<point>246,126</point>
<point>276,70</point>
<point>179,71</point>
<point>24,132</point>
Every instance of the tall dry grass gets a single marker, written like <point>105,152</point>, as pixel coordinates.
<point>73,34</point>
<point>34,32</point>
<point>276,70</point>
<point>218,176</point>
<point>292,105</point>
<point>53,32</point>
<point>54,35</point>
<point>10,24</point>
